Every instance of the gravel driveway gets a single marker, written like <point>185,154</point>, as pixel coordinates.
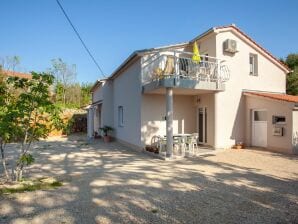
<point>107,183</point>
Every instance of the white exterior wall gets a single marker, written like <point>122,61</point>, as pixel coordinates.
<point>102,112</point>
<point>295,131</point>
<point>107,114</point>
<point>98,93</point>
<point>127,93</point>
<point>154,112</point>
<point>273,107</point>
<point>230,107</point>
<point>207,45</point>
<point>144,113</point>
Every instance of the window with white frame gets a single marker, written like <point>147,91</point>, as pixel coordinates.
<point>253,64</point>
<point>120,116</point>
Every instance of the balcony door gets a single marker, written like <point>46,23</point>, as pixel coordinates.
<point>202,125</point>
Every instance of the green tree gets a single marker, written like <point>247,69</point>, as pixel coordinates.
<point>292,78</point>
<point>68,92</point>
<point>65,76</point>
<point>86,94</point>
<point>27,117</point>
<point>5,126</point>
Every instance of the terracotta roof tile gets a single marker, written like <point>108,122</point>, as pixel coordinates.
<point>17,74</point>
<point>275,96</point>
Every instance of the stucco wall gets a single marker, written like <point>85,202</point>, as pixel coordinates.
<point>127,93</point>
<point>229,117</point>
<point>207,45</point>
<point>107,114</point>
<point>97,94</point>
<point>273,107</point>
<point>97,118</point>
<point>154,111</point>
<point>295,131</point>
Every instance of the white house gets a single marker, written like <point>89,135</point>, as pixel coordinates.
<point>236,93</point>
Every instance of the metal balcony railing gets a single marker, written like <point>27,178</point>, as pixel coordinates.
<point>180,65</point>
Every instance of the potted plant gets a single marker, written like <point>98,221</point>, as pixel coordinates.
<point>96,135</point>
<point>239,145</point>
<point>105,129</point>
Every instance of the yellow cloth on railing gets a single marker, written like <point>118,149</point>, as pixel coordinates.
<point>196,54</point>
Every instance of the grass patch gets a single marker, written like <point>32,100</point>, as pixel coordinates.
<point>33,185</point>
<point>56,184</point>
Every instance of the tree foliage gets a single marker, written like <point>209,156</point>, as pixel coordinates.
<point>28,116</point>
<point>10,62</point>
<point>68,92</point>
<point>65,76</point>
<point>292,78</point>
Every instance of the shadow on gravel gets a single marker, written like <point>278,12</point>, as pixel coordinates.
<point>107,183</point>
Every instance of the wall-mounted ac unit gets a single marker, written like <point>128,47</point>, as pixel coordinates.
<point>230,46</point>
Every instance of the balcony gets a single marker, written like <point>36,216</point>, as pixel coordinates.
<point>176,69</point>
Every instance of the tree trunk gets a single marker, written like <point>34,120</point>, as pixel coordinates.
<point>19,175</point>
<point>3,160</point>
<point>19,172</point>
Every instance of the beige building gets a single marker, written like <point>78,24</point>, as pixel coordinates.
<point>166,91</point>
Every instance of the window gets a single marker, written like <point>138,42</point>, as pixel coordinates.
<point>120,116</point>
<point>253,64</point>
<point>260,115</point>
<point>278,119</point>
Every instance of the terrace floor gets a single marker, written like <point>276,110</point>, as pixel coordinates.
<point>108,183</point>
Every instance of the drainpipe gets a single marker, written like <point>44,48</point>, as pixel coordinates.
<point>169,121</point>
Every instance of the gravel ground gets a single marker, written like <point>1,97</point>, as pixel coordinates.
<point>108,183</point>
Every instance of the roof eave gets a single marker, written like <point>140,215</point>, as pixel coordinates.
<point>281,65</point>
<point>211,30</point>
<point>140,53</point>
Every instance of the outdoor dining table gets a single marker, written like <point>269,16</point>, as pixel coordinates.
<point>180,135</point>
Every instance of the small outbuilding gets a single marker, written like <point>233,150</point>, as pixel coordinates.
<point>272,121</point>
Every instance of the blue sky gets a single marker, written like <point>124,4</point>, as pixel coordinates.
<point>37,31</point>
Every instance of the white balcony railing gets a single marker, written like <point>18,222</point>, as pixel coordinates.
<point>180,65</point>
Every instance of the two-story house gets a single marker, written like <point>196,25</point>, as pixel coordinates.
<point>234,93</point>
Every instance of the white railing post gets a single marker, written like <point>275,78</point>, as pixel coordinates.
<point>175,64</point>
<point>211,70</point>
<point>218,76</point>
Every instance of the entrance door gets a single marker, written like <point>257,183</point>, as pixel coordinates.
<point>259,128</point>
<point>202,125</point>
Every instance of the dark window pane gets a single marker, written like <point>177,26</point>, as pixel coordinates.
<point>260,115</point>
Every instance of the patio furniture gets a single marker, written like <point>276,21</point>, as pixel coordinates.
<point>162,145</point>
<point>159,142</point>
<point>193,142</point>
<point>180,142</point>
<point>159,73</point>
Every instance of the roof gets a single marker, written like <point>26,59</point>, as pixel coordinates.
<point>209,31</point>
<point>16,74</point>
<point>96,84</point>
<point>274,96</point>
<point>145,51</point>
<point>233,26</point>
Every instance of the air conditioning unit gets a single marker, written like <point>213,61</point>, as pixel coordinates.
<point>230,46</point>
